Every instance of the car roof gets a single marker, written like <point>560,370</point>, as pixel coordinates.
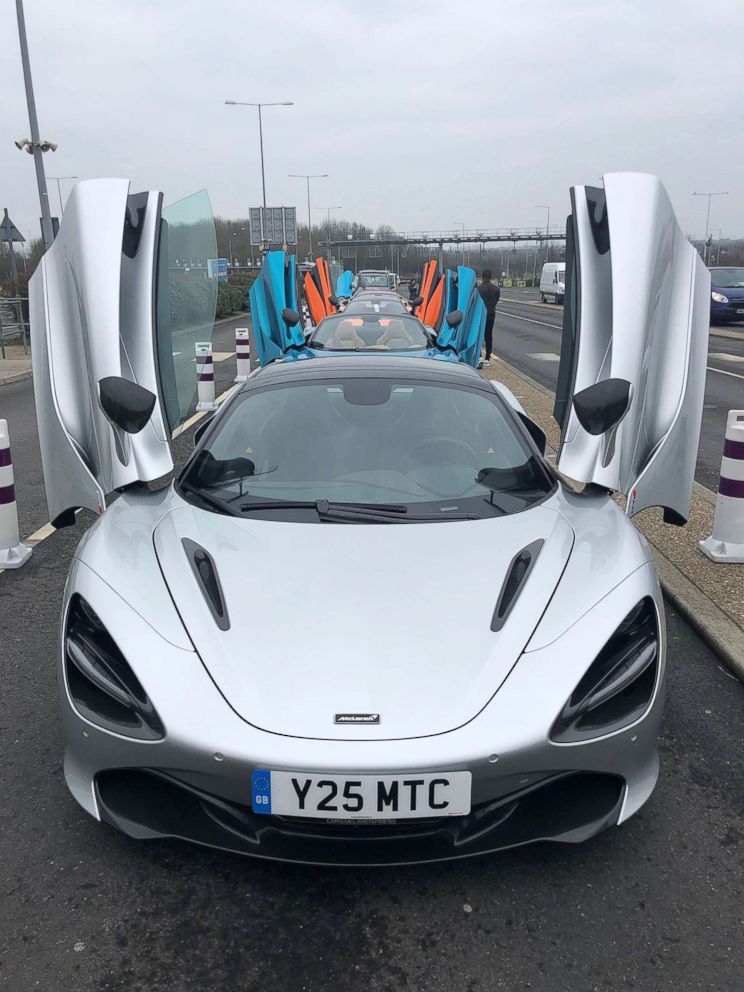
<point>389,366</point>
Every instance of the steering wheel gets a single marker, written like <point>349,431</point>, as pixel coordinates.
<point>442,442</point>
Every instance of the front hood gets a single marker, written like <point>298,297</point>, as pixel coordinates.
<point>393,619</point>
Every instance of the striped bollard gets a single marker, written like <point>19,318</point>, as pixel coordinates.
<point>727,540</point>
<point>205,376</point>
<point>242,353</point>
<point>13,554</point>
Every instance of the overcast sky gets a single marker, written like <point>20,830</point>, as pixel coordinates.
<point>423,113</point>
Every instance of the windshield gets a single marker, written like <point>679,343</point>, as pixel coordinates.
<point>729,278</point>
<point>370,332</point>
<point>368,442</point>
<point>386,304</point>
<point>368,280</point>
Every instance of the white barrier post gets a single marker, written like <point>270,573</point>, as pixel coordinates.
<point>727,540</point>
<point>242,353</point>
<point>204,376</point>
<point>13,554</point>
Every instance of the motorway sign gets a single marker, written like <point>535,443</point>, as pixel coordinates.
<point>273,226</point>
<point>217,269</point>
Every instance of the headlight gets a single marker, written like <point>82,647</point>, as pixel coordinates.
<point>719,298</point>
<point>619,683</point>
<point>103,687</point>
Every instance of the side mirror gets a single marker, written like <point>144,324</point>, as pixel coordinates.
<point>333,300</point>
<point>125,403</point>
<point>537,435</point>
<point>453,318</point>
<point>603,405</point>
<point>290,317</point>
<point>417,301</point>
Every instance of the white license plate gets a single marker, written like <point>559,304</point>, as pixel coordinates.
<point>361,797</point>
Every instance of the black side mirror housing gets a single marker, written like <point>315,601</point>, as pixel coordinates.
<point>537,435</point>
<point>333,300</point>
<point>126,404</point>
<point>290,317</point>
<point>603,405</point>
<point>417,301</point>
<point>453,318</point>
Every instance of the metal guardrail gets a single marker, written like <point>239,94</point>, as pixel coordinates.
<point>14,321</point>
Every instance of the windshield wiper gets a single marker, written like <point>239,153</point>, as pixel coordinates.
<point>324,507</point>
<point>214,501</point>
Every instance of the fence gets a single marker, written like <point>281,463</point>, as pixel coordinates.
<point>14,321</point>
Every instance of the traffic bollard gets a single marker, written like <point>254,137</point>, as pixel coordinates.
<point>13,554</point>
<point>242,353</point>
<point>205,376</point>
<point>727,541</point>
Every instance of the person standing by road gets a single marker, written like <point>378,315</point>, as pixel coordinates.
<point>412,289</point>
<point>490,294</point>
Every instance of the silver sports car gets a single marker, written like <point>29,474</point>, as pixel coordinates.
<point>367,622</point>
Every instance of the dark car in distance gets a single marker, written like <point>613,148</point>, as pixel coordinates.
<point>726,294</point>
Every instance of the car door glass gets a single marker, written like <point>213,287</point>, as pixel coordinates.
<point>186,298</point>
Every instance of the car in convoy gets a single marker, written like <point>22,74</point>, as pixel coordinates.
<point>455,333</point>
<point>726,294</point>
<point>553,282</point>
<point>366,623</point>
<point>375,279</point>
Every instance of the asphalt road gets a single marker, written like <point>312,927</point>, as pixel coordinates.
<point>527,334</point>
<point>657,904</point>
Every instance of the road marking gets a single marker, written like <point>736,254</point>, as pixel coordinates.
<point>735,375</point>
<point>725,357</point>
<point>47,529</point>
<point>545,356</point>
<point>533,303</point>
<point>530,320</point>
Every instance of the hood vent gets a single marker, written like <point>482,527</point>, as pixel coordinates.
<point>209,583</point>
<point>516,576</point>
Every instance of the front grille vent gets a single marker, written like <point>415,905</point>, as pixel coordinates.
<point>206,576</point>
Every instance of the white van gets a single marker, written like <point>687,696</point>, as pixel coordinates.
<point>553,282</point>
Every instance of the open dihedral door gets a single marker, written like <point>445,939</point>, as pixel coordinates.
<point>635,329</point>
<point>461,296</point>
<point>432,291</point>
<point>114,315</point>
<point>274,311</point>
<point>316,286</point>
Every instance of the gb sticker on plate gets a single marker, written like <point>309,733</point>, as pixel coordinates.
<point>261,783</point>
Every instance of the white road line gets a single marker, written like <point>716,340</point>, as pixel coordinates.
<point>545,356</point>
<point>736,375</point>
<point>530,320</point>
<point>725,356</point>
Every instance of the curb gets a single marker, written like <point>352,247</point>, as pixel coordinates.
<point>16,377</point>
<point>710,622</point>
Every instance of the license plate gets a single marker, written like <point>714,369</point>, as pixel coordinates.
<point>361,797</point>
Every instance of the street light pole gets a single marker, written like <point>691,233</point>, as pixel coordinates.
<point>244,103</point>
<point>707,220</point>
<point>544,206</point>
<point>47,233</point>
<point>328,211</point>
<point>462,224</point>
<point>307,177</point>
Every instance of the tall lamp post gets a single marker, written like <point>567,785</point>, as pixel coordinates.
<point>707,220</point>
<point>462,225</point>
<point>328,211</point>
<point>35,146</point>
<point>57,180</point>
<point>544,206</point>
<point>244,103</point>
<point>307,177</point>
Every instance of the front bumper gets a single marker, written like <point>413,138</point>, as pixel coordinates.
<point>731,311</point>
<point>568,807</point>
<point>195,782</point>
